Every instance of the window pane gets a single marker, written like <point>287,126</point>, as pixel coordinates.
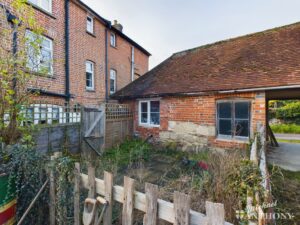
<point>89,67</point>
<point>224,110</point>
<point>112,85</point>
<point>144,117</point>
<point>112,39</point>
<point>242,128</point>
<point>154,106</point>
<point>144,107</point>
<point>242,110</point>
<point>89,80</point>
<point>225,127</point>
<point>33,1</point>
<point>45,4</point>
<point>154,118</point>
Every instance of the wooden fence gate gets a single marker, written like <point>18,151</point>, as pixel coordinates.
<point>93,129</point>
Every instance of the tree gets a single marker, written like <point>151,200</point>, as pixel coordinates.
<point>18,52</point>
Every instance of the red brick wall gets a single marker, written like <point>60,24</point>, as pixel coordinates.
<point>83,46</point>
<point>86,47</point>
<point>200,111</point>
<point>120,60</point>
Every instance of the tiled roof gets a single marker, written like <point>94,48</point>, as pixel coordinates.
<point>266,59</point>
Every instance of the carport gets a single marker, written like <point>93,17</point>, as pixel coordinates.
<point>285,155</point>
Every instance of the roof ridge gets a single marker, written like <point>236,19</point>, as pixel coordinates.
<point>184,52</point>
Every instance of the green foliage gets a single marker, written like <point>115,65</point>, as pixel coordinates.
<point>26,170</point>
<point>286,128</point>
<point>63,168</point>
<point>289,111</point>
<point>15,76</point>
<point>126,154</point>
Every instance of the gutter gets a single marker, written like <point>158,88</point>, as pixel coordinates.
<point>120,97</point>
<point>48,93</point>
<point>67,48</point>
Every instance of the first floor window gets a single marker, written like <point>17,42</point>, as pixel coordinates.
<point>43,4</point>
<point>112,39</point>
<point>233,118</point>
<point>89,71</point>
<point>149,112</point>
<point>113,75</point>
<point>90,24</point>
<point>39,53</point>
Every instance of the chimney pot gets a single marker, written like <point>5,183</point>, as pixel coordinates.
<point>118,26</point>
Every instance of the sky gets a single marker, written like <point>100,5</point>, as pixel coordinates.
<point>164,27</point>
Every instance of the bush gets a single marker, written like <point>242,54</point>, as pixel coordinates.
<point>289,111</point>
<point>286,128</point>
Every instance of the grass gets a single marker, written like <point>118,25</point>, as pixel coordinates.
<point>286,128</point>
<point>289,141</point>
<point>286,191</point>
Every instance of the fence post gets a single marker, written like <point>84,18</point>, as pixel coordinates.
<point>77,194</point>
<point>52,189</point>
<point>215,213</point>
<point>151,204</point>
<point>181,208</point>
<point>127,213</point>
<point>108,188</point>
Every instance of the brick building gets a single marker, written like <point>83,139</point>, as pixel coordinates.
<point>88,56</point>
<point>215,95</point>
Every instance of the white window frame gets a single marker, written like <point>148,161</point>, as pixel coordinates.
<point>39,56</point>
<point>40,5</point>
<point>114,42</point>
<point>148,124</point>
<point>93,75</point>
<point>113,76</point>
<point>90,28</point>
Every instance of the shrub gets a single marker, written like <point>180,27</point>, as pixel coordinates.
<point>286,128</point>
<point>289,111</point>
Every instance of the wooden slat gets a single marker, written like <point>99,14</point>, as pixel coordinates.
<point>151,204</point>
<point>93,125</point>
<point>181,208</point>
<point>128,205</point>
<point>91,181</point>
<point>165,209</point>
<point>215,213</point>
<point>108,181</point>
<point>77,194</point>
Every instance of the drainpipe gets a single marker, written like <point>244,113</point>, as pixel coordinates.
<point>67,48</point>
<point>132,64</point>
<point>106,62</point>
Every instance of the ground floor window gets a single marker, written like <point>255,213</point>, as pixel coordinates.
<point>233,118</point>
<point>149,112</point>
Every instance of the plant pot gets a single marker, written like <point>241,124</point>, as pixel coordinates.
<point>8,201</point>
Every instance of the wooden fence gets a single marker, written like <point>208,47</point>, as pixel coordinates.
<point>154,208</point>
<point>258,156</point>
<point>119,123</point>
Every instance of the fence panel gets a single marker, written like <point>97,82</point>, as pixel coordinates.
<point>119,124</point>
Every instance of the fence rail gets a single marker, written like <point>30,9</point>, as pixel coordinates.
<point>176,213</point>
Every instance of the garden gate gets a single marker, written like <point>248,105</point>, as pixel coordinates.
<point>93,129</point>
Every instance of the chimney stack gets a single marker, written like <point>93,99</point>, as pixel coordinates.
<point>118,26</point>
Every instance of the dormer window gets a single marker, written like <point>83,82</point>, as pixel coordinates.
<point>90,24</point>
<point>43,4</point>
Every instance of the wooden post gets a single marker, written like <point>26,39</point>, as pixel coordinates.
<point>151,204</point>
<point>108,188</point>
<point>52,192</point>
<point>77,180</point>
<point>181,208</point>
<point>92,185</point>
<point>127,213</point>
<point>91,181</point>
<point>215,213</point>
